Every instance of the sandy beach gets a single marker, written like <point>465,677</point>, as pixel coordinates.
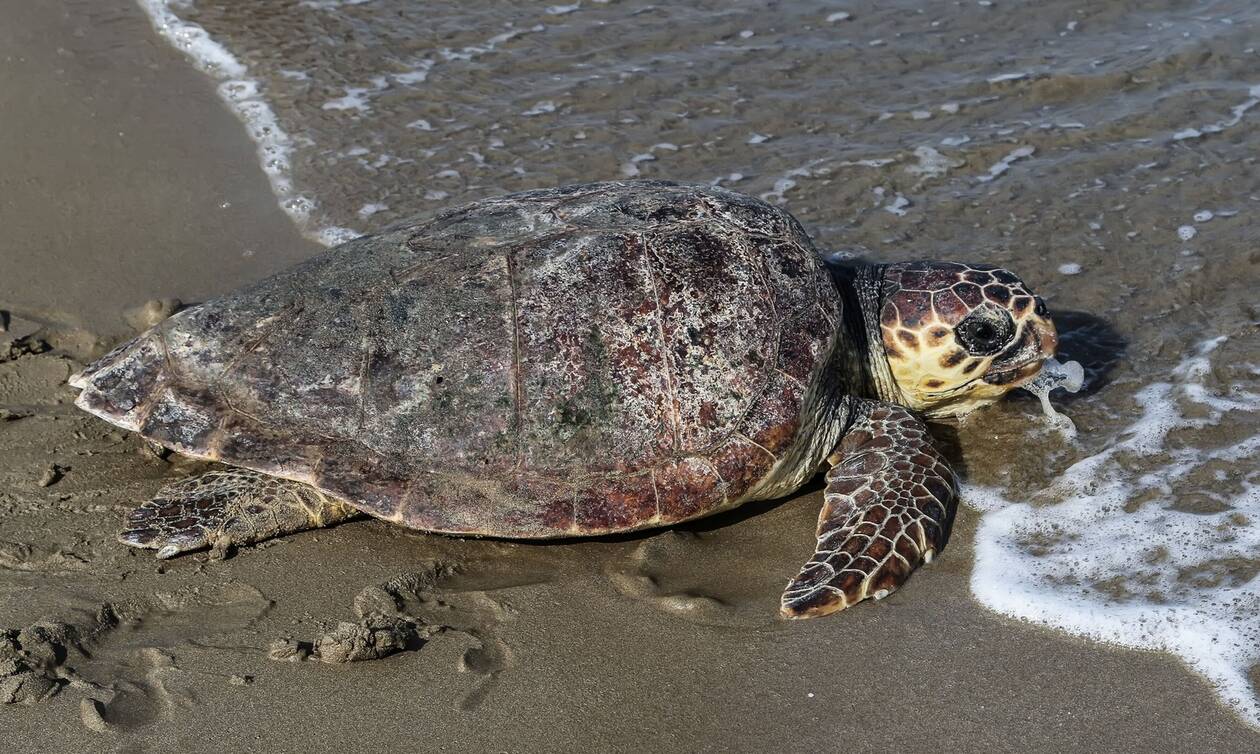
<point>124,179</point>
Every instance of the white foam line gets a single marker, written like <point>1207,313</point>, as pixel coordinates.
<point>1236,115</point>
<point>1040,562</point>
<point>473,52</point>
<point>243,98</point>
<point>787,183</point>
<point>1004,164</point>
<point>1017,76</point>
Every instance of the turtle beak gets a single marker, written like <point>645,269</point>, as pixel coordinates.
<point>1020,362</point>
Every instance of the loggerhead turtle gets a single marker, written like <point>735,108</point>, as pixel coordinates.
<point>578,361</point>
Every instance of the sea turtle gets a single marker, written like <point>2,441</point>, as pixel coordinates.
<point>578,361</point>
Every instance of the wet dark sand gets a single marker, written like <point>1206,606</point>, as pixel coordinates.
<point>123,177</point>
<point>583,646</point>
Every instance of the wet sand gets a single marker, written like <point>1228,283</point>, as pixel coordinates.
<point>666,642</point>
<point>124,178</point>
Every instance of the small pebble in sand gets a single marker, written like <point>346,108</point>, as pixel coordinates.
<point>241,680</point>
<point>1070,268</point>
<point>747,34</point>
<point>1203,215</point>
<point>920,114</point>
<point>838,16</point>
<point>52,474</point>
<point>1186,232</point>
<point>288,650</point>
<point>758,139</point>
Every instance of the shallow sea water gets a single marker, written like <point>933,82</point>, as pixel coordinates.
<point>1106,151</point>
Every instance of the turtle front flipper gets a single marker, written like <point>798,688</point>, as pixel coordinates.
<point>890,496</point>
<point>231,507</point>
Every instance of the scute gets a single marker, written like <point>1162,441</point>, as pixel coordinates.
<point>596,358</point>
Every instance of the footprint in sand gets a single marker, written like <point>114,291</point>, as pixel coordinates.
<point>406,612</point>
<point>120,658</point>
<point>641,579</point>
<point>692,576</point>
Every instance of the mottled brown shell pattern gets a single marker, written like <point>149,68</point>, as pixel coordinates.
<point>583,360</point>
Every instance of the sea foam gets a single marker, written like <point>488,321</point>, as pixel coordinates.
<point>1111,557</point>
<point>244,98</point>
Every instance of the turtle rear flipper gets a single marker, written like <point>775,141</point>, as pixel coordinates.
<point>225,508</point>
<point>890,496</point>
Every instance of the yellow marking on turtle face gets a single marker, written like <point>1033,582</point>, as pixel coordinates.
<point>935,375</point>
<point>933,319</point>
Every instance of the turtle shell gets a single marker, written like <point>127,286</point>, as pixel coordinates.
<point>589,359</point>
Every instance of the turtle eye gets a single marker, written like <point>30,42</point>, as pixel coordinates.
<point>985,331</point>
<point>1041,310</point>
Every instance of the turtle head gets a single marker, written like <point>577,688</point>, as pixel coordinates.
<point>958,336</point>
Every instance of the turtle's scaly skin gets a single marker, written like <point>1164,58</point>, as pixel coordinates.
<point>889,499</point>
<point>584,360</point>
<point>924,303</point>
<point>229,507</point>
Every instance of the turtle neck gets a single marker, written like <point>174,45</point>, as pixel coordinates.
<point>861,349</point>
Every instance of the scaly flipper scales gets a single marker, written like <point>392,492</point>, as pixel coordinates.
<point>230,507</point>
<point>889,499</point>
